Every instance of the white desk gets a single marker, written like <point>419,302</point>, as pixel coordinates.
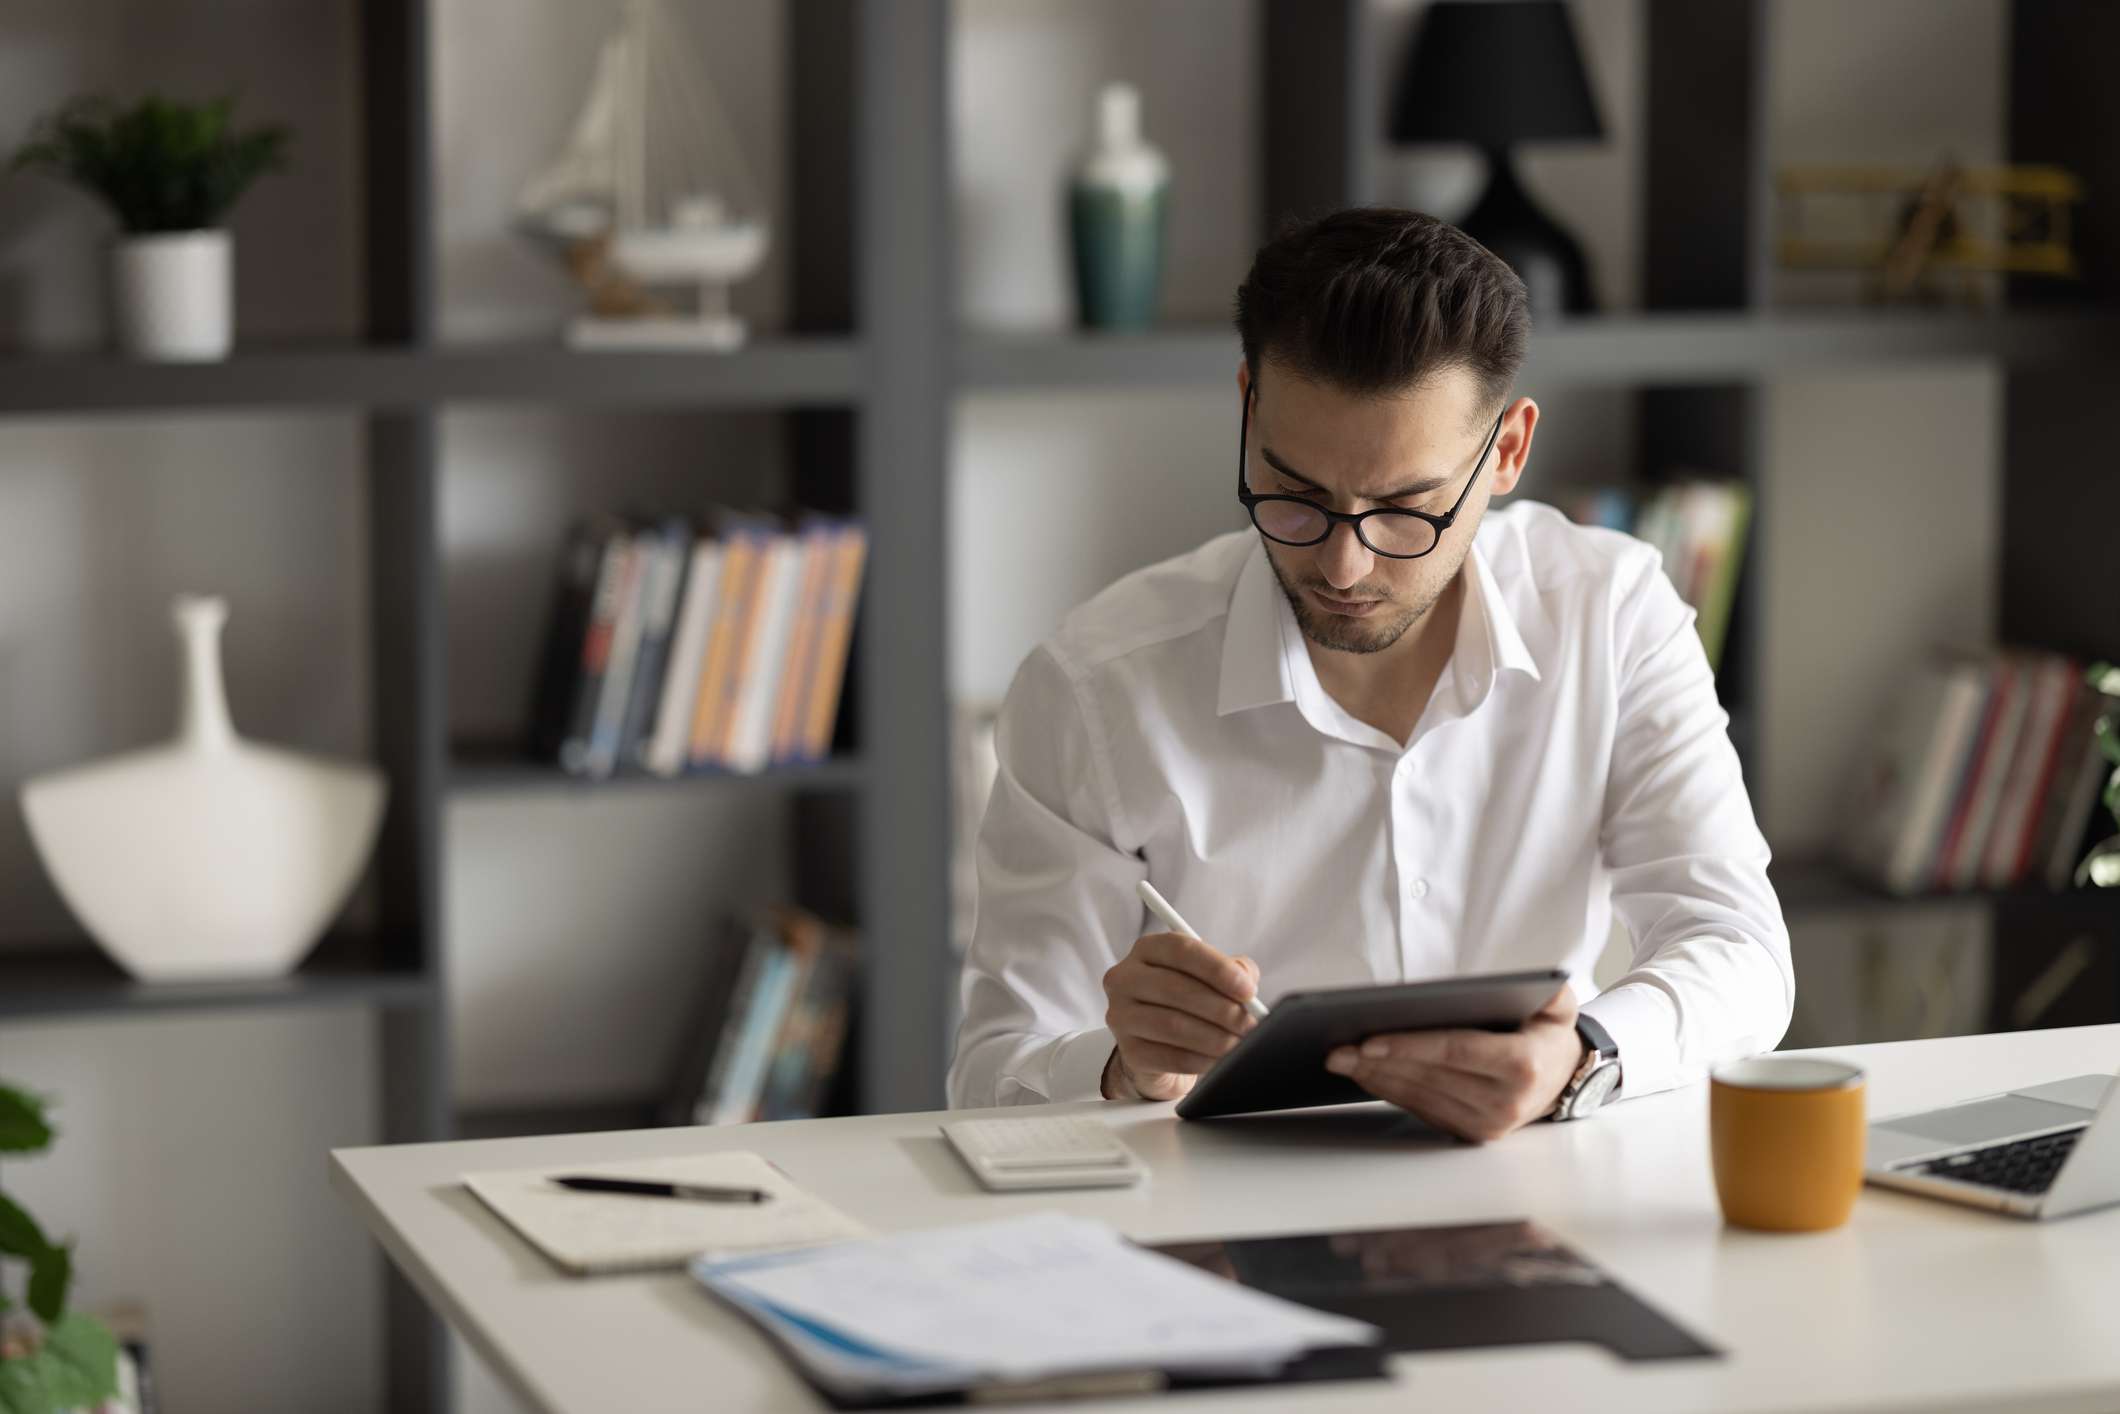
<point>1914,1304</point>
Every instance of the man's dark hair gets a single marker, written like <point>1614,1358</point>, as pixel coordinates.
<point>1374,300</point>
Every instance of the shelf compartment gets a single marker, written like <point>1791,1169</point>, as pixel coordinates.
<point>1667,349</point>
<point>78,979</point>
<point>497,771</point>
<point>770,373</point>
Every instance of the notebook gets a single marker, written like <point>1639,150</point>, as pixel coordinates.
<point>587,1233</point>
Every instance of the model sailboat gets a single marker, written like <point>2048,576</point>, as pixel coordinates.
<point>651,192</point>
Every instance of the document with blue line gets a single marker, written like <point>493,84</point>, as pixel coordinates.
<point>1014,1302</point>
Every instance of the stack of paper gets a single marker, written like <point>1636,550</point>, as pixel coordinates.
<point>1016,1301</point>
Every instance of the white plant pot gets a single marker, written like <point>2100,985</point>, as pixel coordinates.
<point>172,295</point>
<point>207,858</point>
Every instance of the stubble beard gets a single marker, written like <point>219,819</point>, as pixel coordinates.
<point>1341,633</point>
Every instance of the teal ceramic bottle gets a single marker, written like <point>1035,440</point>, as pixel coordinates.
<point>1118,197</point>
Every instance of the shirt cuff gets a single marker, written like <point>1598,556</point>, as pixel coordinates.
<point>1077,1068</point>
<point>1644,1025</point>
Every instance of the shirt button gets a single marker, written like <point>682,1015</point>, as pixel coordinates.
<point>1420,888</point>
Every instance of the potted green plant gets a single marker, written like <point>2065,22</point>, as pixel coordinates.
<point>170,172</point>
<point>51,1359</point>
<point>2102,865</point>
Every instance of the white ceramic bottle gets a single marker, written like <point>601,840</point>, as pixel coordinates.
<point>209,857</point>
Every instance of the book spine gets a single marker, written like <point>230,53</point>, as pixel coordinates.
<point>2012,682</point>
<point>596,653</point>
<point>738,1101</point>
<point>819,541</point>
<point>573,598</point>
<point>2029,775</point>
<point>738,578</point>
<point>778,1086</point>
<point>750,975</point>
<point>751,737</point>
<point>668,751</point>
<point>837,641</point>
<point>618,670</point>
<point>2060,786</point>
<point>672,558</point>
<point>743,659</point>
<point>1937,868</point>
<point>1721,590</point>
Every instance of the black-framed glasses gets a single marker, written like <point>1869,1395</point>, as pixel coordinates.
<point>1389,531</point>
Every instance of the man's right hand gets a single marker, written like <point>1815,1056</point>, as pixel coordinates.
<point>1175,1007</point>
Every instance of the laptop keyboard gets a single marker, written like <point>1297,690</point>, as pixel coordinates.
<point>2021,1166</point>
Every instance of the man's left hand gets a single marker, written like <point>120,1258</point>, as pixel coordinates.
<point>1478,1085</point>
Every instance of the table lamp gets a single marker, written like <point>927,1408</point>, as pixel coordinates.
<point>1495,73</point>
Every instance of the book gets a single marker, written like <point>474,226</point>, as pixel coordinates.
<point>758,949</point>
<point>760,675</point>
<point>667,750</point>
<point>611,581</point>
<point>743,550</point>
<point>820,540</point>
<point>835,640</point>
<point>2013,693</point>
<point>1965,775</point>
<point>2059,796</point>
<point>806,1053</point>
<point>1728,516</point>
<point>2053,689</point>
<point>566,627</point>
<point>722,980</point>
<point>616,682</point>
<point>747,645</point>
<point>735,1100</point>
<point>659,599</point>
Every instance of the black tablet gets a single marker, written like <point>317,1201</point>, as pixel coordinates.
<point>1281,1064</point>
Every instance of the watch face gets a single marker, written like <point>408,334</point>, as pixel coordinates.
<point>1597,1088</point>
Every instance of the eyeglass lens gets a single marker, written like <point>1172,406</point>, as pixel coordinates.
<point>1294,523</point>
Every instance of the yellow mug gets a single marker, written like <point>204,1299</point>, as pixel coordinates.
<point>1788,1135</point>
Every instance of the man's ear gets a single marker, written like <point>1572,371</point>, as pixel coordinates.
<point>1512,445</point>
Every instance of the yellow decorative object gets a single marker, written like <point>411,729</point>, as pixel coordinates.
<point>1905,223</point>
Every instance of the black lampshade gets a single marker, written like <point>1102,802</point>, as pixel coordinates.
<point>1494,73</point>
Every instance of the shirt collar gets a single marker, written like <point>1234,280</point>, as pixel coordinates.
<point>1257,638</point>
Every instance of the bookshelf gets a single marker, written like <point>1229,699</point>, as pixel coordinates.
<point>867,379</point>
<point>1679,348</point>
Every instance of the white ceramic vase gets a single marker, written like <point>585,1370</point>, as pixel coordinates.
<point>209,857</point>
<point>172,295</point>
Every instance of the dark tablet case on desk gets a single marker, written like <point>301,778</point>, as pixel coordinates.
<point>1281,1064</point>
<point>1451,1288</point>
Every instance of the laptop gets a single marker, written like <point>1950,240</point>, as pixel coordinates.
<point>2042,1152</point>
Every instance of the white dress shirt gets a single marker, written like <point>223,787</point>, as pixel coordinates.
<point>1572,764</point>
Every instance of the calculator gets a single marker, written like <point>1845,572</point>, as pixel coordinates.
<point>1044,1151</point>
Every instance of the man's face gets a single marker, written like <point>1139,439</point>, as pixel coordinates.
<point>1413,450</point>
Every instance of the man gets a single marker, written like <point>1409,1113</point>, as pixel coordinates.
<point>1380,735</point>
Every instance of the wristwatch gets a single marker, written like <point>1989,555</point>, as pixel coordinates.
<point>1596,1078</point>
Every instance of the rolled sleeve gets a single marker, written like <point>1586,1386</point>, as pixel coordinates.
<point>1711,977</point>
<point>1056,905</point>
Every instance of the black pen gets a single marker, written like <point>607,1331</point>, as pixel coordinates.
<point>642,1188</point>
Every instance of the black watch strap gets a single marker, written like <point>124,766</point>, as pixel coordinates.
<point>1596,1037</point>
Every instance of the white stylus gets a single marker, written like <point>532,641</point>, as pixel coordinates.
<point>1160,906</point>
